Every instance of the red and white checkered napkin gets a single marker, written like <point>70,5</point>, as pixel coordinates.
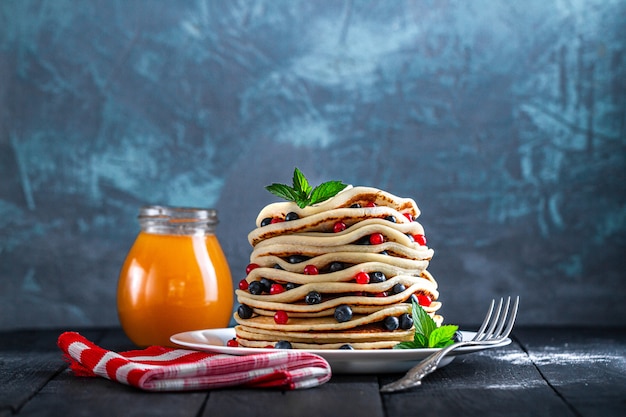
<point>159,368</point>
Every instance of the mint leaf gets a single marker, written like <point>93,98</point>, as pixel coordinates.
<point>405,345</point>
<point>326,190</point>
<point>301,191</point>
<point>427,334</point>
<point>301,184</point>
<point>423,323</point>
<point>442,336</point>
<point>420,341</point>
<point>283,191</point>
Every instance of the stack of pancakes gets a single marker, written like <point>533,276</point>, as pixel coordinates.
<point>331,275</point>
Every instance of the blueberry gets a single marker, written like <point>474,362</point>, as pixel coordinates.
<point>355,205</point>
<point>365,240</point>
<point>255,288</point>
<point>346,347</point>
<point>313,297</point>
<point>376,277</point>
<point>296,259</point>
<point>410,236</point>
<point>457,337</point>
<point>244,311</point>
<point>267,284</point>
<point>335,266</point>
<point>282,344</point>
<point>398,288</point>
<point>343,313</point>
<point>384,252</point>
<point>292,215</point>
<point>290,286</point>
<point>277,266</point>
<point>266,221</point>
<point>406,321</point>
<point>392,219</point>
<point>391,323</point>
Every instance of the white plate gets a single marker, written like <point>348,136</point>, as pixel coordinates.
<point>341,361</point>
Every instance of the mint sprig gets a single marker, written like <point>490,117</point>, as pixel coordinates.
<point>427,334</point>
<point>302,193</point>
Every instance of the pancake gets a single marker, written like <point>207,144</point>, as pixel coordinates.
<point>311,346</point>
<point>340,272</point>
<point>373,334</point>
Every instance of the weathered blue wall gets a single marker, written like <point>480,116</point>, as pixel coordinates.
<point>506,121</point>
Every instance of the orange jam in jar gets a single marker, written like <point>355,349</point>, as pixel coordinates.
<point>175,277</point>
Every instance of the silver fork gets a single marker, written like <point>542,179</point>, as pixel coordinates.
<point>495,329</point>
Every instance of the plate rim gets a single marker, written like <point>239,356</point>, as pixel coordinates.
<point>226,333</point>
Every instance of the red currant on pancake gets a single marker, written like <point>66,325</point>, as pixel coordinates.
<point>311,270</point>
<point>424,300</point>
<point>250,267</point>
<point>281,317</point>
<point>420,239</point>
<point>376,238</point>
<point>276,289</point>
<point>362,278</point>
<point>339,227</point>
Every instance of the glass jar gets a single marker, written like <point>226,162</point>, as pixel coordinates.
<point>175,277</point>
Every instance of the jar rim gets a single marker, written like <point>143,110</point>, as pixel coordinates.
<point>178,213</point>
<point>177,220</point>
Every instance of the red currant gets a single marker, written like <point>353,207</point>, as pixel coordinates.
<point>232,343</point>
<point>381,294</point>
<point>250,267</point>
<point>276,289</point>
<point>424,300</point>
<point>362,278</point>
<point>339,227</point>
<point>376,238</point>
<point>311,270</point>
<point>420,239</point>
<point>281,317</point>
<point>277,220</point>
<point>409,216</point>
<point>370,204</point>
<point>243,285</point>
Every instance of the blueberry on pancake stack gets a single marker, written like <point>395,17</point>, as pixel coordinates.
<point>334,268</point>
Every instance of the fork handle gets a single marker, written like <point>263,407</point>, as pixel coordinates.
<point>415,375</point>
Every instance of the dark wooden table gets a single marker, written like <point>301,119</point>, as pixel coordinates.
<point>544,372</point>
